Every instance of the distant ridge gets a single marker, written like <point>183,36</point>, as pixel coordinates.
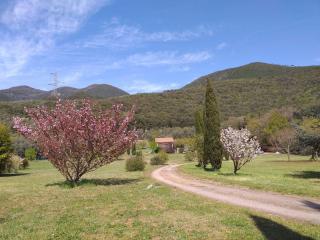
<point>251,89</point>
<point>21,93</point>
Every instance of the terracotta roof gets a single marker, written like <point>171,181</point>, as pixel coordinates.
<point>164,140</point>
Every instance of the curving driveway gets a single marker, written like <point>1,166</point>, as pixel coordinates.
<point>300,208</point>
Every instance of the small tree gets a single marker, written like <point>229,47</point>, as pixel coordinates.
<point>75,139</point>
<point>212,151</point>
<point>5,148</point>
<point>30,154</point>
<point>240,145</point>
<point>284,139</point>
<point>310,135</point>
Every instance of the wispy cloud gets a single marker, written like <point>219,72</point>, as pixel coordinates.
<point>32,26</point>
<point>141,86</point>
<point>150,59</point>
<point>221,46</point>
<point>117,35</point>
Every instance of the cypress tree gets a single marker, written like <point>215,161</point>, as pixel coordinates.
<point>213,151</point>
<point>198,139</point>
<point>198,118</point>
<point>5,148</point>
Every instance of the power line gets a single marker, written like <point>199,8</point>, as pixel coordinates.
<point>55,83</point>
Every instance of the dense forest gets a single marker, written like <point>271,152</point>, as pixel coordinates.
<point>251,89</point>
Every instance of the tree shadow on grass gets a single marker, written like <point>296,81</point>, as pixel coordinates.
<point>235,175</point>
<point>311,204</point>
<point>305,174</point>
<point>292,161</point>
<point>13,174</point>
<point>274,231</point>
<point>96,182</point>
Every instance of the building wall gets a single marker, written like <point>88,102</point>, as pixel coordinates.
<point>167,147</point>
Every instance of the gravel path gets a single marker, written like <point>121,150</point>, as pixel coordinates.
<point>300,208</point>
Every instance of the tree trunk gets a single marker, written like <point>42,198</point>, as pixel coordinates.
<point>288,152</point>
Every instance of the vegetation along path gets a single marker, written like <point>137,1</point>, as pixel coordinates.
<point>300,208</point>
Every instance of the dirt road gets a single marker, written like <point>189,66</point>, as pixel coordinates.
<point>300,208</point>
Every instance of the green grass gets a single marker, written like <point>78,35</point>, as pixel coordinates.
<point>114,204</point>
<point>270,172</point>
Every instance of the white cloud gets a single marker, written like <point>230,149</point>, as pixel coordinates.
<point>179,69</point>
<point>72,77</point>
<point>141,86</point>
<point>221,46</point>
<point>32,26</point>
<point>117,35</point>
<point>150,59</point>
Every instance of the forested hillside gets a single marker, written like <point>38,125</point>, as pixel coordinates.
<point>250,89</point>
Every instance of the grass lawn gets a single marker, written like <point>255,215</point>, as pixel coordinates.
<point>114,204</point>
<point>270,172</point>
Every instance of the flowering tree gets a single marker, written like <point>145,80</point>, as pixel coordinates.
<point>240,145</point>
<point>75,139</point>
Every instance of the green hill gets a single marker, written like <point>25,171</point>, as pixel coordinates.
<point>249,89</point>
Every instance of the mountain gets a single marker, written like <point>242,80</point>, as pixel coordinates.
<point>103,91</point>
<point>251,89</point>
<point>20,93</point>
<point>246,90</point>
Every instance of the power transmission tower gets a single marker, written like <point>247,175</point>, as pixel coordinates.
<point>55,83</point>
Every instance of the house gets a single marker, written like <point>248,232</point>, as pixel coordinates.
<point>166,144</point>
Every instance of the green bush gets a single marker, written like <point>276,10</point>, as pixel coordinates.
<point>30,154</point>
<point>155,160</point>
<point>153,146</point>
<point>5,149</point>
<point>13,164</point>
<point>135,163</point>
<point>159,159</point>
<point>190,156</point>
<point>164,156</point>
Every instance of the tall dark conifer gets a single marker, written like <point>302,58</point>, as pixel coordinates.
<point>213,150</point>
<point>198,138</point>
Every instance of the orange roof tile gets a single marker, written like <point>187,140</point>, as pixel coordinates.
<point>164,140</point>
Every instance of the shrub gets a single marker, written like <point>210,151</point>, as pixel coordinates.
<point>155,160</point>
<point>159,159</point>
<point>135,163</point>
<point>164,156</point>
<point>142,144</point>
<point>24,163</point>
<point>30,154</point>
<point>14,164</point>
<point>190,156</point>
<point>5,149</point>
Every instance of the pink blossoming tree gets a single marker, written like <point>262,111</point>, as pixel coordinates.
<point>240,145</point>
<point>75,138</point>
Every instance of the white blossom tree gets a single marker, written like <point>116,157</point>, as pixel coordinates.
<point>241,146</point>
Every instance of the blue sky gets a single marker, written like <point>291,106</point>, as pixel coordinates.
<point>149,46</point>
